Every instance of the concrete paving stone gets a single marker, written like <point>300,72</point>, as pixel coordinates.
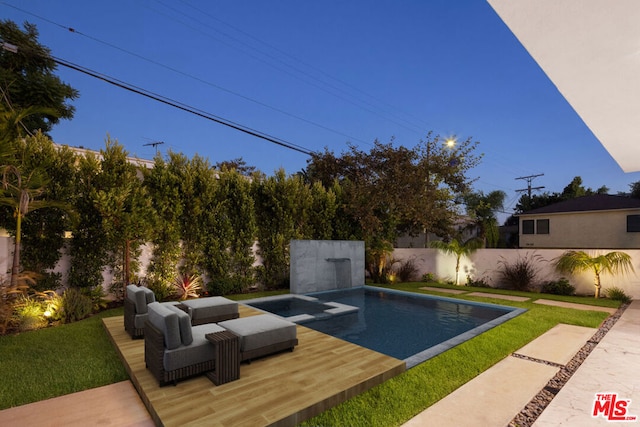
<point>559,344</point>
<point>444,290</point>
<point>490,399</point>
<point>575,306</point>
<point>498,296</point>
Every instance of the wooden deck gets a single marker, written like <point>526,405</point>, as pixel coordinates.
<point>282,390</point>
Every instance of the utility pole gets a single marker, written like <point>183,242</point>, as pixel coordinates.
<point>529,188</point>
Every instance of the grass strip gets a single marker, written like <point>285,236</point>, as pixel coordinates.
<point>55,361</point>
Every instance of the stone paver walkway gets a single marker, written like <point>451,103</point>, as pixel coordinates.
<point>443,290</point>
<point>575,306</point>
<point>498,296</point>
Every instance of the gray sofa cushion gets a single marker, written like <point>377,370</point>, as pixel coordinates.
<point>166,321</point>
<point>211,306</point>
<point>260,331</point>
<point>140,296</point>
<point>184,322</point>
<point>200,350</point>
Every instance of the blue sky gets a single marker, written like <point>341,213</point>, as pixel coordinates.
<point>317,74</point>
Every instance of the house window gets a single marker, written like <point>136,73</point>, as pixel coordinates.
<point>542,226</point>
<point>633,223</point>
<point>527,226</point>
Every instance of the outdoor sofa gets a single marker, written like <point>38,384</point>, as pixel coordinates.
<point>174,349</point>
<point>200,310</point>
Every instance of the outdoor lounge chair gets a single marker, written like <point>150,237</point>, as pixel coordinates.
<point>135,309</point>
<point>173,349</point>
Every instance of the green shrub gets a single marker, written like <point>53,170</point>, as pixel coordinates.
<point>521,274</point>
<point>75,305</point>
<point>558,287</point>
<point>482,282</point>
<point>429,277</point>
<point>225,286</point>
<point>162,289</point>
<point>617,294</point>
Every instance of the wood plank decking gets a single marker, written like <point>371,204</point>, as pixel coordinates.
<point>283,389</point>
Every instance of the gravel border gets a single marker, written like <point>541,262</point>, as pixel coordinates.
<point>534,408</point>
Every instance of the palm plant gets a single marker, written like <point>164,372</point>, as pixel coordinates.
<point>454,247</point>
<point>577,261</point>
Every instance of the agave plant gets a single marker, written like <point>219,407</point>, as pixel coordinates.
<point>187,286</point>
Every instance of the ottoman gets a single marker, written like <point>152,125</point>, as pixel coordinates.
<point>211,310</point>
<point>262,335</point>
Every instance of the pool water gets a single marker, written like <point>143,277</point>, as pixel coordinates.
<point>407,326</point>
<point>289,307</point>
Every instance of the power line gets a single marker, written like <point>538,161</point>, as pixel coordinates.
<point>529,188</point>
<point>7,45</point>
<point>198,79</point>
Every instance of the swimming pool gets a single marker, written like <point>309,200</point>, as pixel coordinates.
<point>407,326</point>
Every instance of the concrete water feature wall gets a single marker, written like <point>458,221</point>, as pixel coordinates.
<point>321,265</point>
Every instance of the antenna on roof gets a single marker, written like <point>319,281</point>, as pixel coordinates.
<point>154,144</point>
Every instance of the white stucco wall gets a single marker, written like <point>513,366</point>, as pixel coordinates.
<point>485,264</point>
<point>601,230</point>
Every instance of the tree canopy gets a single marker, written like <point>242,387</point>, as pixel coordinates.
<point>394,189</point>
<point>27,80</point>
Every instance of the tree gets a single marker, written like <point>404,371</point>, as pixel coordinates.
<point>482,208</point>
<point>392,190</point>
<point>570,191</point>
<point>577,261</point>
<point>635,189</point>
<point>124,205</point>
<point>454,247</point>
<point>236,164</point>
<point>27,80</point>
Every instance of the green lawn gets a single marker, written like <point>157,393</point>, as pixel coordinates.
<point>51,362</point>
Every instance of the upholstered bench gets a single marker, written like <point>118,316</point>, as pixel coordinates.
<point>211,310</point>
<point>262,335</point>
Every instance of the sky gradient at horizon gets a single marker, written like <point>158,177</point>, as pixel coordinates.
<point>318,75</point>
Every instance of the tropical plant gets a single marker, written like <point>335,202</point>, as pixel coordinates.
<point>459,250</point>
<point>21,192</point>
<point>482,208</point>
<point>187,286</point>
<point>578,261</point>
<point>521,274</point>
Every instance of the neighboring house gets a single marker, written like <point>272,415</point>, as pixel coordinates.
<point>463,224</point>
<point>600,221</point>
